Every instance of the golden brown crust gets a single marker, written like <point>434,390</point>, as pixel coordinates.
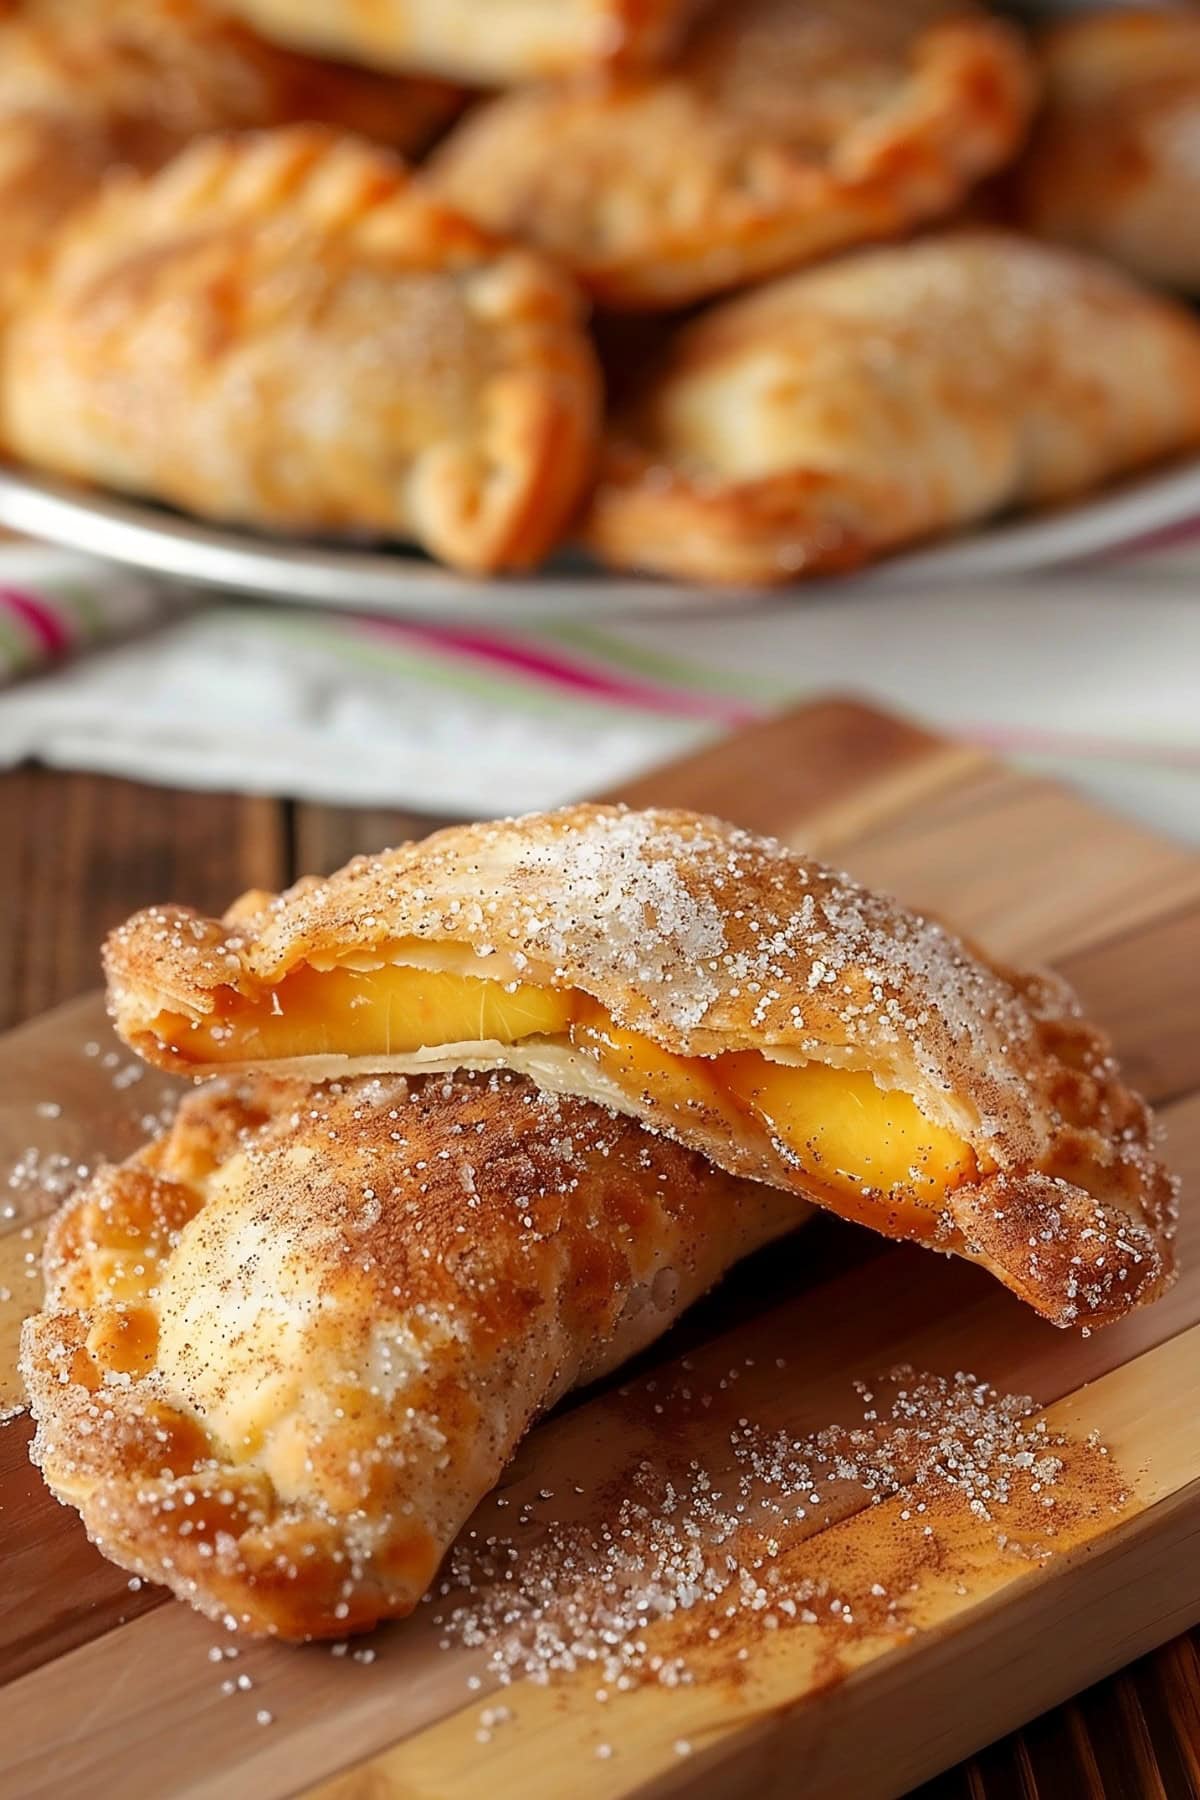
<point>87,86</point>
<point>1114,165</point>
<point>159,72</point>
<point>785,133</point>
<point>49,165</point>
<point>837,414</point>
<point>288,1347</point>
<point>707,940</point>
<point>285,330</point>
<point>517,40</point>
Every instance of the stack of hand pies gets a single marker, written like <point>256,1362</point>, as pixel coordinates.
<point>222,288</point>
<point>478,1118</point>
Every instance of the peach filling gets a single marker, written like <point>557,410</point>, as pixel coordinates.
<point>842,1131</point>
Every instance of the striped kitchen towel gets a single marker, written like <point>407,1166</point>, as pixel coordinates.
<point>54,604</point>
<point>1093,674</point>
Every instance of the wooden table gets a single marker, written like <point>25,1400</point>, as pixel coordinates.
<point>81,852</point>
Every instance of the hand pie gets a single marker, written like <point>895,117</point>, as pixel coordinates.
<point>493,44</point>
<point>751,1002</point>
<point>898,393</point>
<point>1114,165</point>
<point>288,1347</point>
<point>286,331</point>
<point>787,131</point>
<point>158,72</point>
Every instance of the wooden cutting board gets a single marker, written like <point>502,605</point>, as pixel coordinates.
<point>113,1691</point>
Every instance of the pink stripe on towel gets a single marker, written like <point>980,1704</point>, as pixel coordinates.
<point>39,619</point>
<point>557,670</point>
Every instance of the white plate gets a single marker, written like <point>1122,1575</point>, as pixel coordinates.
<point>147,537</point>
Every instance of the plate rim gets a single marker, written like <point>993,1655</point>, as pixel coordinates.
<point>139,534</point>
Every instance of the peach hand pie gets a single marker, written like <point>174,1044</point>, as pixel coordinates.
<point>842,412</point>
<point>787,131</point>
<point>748,1001</point>
<point>288,1347</point>
<point>1115,164</point>
<point>492,44</point>
<point>285,330</point>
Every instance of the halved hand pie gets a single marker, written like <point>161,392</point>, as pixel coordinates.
<point>288,1347</point>
<point>501,42</point>
<point>1114,164</point>
<point>748,1001</point>
<point>286,330</point>
<point>834,415</point>
<point>786,131</point>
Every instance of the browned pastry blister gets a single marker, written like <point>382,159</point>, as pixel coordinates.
<point>893,395</point>
<point>501,42</point>
<point>760,1007</point>
<point>91,85</point>
<point>284,330</point>
<point>1114,165</point>
<point>785,132</point>
<point>289,1346</point>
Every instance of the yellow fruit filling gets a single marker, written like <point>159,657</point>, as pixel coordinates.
<point>854,1136</point>
<point>843,1131</point>
<point>389,1011</point>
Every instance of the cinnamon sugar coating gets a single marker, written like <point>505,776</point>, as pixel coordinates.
<point>705,939</point>
<point>289,1346</point>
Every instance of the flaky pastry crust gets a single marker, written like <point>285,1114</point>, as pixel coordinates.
<point>289,1346</point>
<point>513,41</point>
<point>285,330</point>
<point>87,86</point>
<point>785,132</point>
<point>707,941</point>
<point>159,72</point>
<point>835,415</point>
<point>1114,165</point>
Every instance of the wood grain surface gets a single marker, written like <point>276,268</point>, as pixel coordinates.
<point>1030,869</point>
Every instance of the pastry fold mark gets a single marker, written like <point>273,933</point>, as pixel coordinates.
<point>89,88</point>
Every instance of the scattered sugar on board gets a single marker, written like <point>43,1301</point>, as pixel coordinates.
<point>689,1564</point>
<point>39,1177</point>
